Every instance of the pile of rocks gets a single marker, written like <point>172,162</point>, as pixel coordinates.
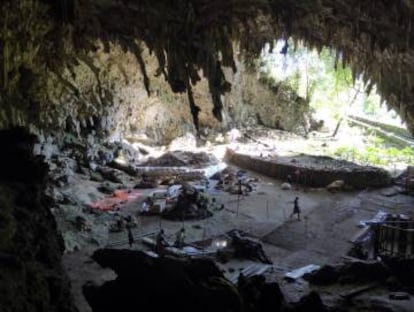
<point>234,181</point>
<point>191,204</point>
<point>354,272</point>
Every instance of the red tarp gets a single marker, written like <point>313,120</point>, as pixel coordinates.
<point>118,198</point>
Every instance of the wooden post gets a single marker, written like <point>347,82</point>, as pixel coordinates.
<point>410,241</point>
<point>205,228</point>
<point>392,236</point>
<point>267,209</point>
<point>139,224</point>
<point>376,230</point>
<point>306,231</point>
<point>404,239</point>
<point>303,179</point>
<point>306,225</point>
<point>238,205</point>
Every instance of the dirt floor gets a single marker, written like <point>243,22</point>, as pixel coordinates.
<point>328,222</point>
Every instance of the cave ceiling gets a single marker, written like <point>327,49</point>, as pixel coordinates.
<point>200,37</point>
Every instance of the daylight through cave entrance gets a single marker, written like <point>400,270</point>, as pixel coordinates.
<point>351,119</point>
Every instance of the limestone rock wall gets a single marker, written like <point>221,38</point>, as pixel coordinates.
<point>255,100</point>
<point>31,276</point>
<point>104,95</point>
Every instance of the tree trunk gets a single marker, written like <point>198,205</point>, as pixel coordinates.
<point>343,117</point>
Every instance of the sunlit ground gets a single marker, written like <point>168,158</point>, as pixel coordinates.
<point>333,92</point>
<point>351,143</point>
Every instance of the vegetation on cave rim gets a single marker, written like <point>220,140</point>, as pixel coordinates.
<point>194,36</point>
<point>332,96</point>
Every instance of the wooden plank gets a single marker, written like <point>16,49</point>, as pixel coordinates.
<point>295,274</point>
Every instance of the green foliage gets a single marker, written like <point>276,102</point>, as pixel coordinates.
<point>376,154</point>
<point>369,106</point>
<point>320,77</point>
<point>294,82</point>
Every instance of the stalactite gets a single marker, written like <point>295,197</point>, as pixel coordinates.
<point>190,35</point>
<point>193,108</point>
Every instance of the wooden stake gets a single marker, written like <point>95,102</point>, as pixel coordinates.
<point>238,204</point>
<point>267,209</point>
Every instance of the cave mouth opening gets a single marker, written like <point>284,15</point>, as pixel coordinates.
<point>346,111</point>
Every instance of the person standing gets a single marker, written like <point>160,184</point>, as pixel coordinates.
<point>179,238</point>
<point>160,243</point>
<point>130,237</point>
<point>296,208</point>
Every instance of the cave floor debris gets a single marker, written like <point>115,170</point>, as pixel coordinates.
<point>329,222</point>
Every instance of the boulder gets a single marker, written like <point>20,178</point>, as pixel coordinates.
<point>353,272</point>
<point>246,247</point>
<point>336,186</point>
<point>311,302</point>
<point>326,275</point>
<point>149,283</point>
<point>155,284</point>
<point>112,175</point>
<point>286,186</point>
<point>186,142</point>
<point>107,188</point>
<point>96,176</point>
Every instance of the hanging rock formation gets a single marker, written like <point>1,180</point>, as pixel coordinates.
<point>47,60</point>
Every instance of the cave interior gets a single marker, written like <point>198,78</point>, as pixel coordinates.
<point>145,157</point>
